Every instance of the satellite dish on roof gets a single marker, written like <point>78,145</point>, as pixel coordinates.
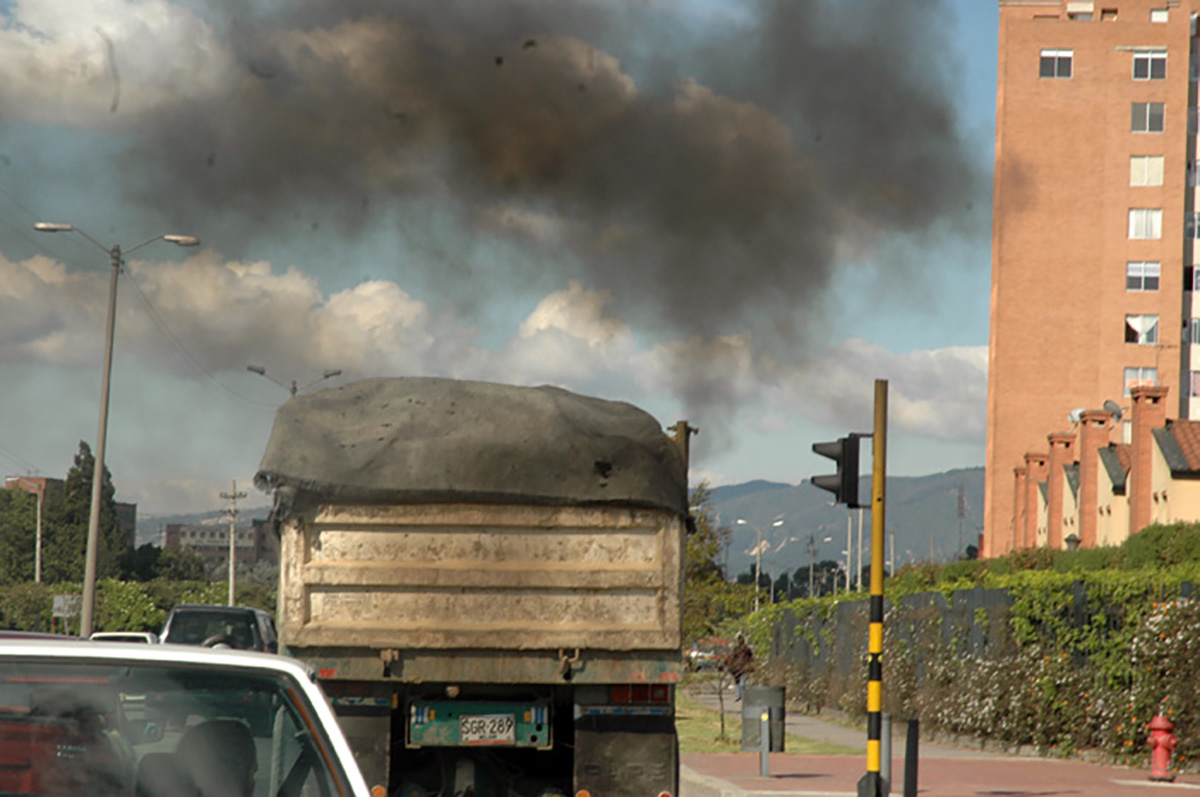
<point>1075,414</point>
<point>1113,409</point>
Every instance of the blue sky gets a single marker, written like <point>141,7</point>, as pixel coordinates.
<point>677,205</point>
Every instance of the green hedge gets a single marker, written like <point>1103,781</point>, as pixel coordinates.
<point>120,605</point>
<point>1094,644</point>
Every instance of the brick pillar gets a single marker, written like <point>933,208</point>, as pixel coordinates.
<point>1062,452</point>
<point>1149,412</point>
<point>1092,437</point>
<point>1018,518</point>
<point>1035,471</point>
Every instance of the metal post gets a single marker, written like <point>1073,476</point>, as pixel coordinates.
<point>764,743</point>
<point>871,783</point>
<point>849,548</point>
<point>858,573</point>
<point>87,611</point>
<point>911,743</point>
<point>885,752</point>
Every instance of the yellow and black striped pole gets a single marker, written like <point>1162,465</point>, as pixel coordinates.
<point>871,784</point>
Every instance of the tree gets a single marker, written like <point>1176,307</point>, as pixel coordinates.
<point>141,564</point>
<point>182,564</point>
<point>707,597</point>
<point>18,522</point>
<point>70,547</point>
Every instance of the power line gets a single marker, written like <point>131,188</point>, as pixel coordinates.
<point>195,363</point>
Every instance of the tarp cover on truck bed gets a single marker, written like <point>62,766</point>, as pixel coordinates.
<point>430,440</point>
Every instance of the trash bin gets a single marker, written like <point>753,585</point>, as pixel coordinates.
<point>756,700</point>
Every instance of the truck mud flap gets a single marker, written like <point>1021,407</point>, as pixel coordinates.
<point>626,755</point>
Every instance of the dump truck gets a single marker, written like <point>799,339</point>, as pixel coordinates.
<point>487,580</point>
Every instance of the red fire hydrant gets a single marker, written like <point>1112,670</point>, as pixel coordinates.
<point>1162,742</point>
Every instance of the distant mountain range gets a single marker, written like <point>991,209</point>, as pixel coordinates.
<point>922,516</point>
<point>923,520</point>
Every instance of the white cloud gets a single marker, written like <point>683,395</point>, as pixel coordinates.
<point>224,314</point>
<point>54,61</point>
<point>936,393</point>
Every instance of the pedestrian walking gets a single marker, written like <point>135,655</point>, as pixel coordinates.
<point>739,664</point>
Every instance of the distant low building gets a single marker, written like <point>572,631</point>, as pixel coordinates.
<point>126,512</point>
<point>255,543</point>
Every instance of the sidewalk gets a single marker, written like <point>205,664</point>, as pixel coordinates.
<point>943,770</point>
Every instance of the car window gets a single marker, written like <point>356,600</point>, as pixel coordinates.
<point>194,628</point>
<point>157,730</point>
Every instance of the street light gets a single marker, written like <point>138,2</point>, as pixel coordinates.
<point>292,388</point>
<point>812,560</point>
<point>115,254</point>
<point>40,487</point>
<point>758,553</point>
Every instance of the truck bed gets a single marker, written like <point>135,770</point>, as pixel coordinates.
<point>482,580</point>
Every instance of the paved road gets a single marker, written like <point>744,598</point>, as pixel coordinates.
<point>943,770</point>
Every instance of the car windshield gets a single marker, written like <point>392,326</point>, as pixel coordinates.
<point>158,730</point>
<point>196,627</point>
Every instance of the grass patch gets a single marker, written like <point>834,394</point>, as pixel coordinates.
<point>699,729</point>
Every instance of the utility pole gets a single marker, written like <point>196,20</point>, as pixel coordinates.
<point>233,498</point>
<point>812,562</point>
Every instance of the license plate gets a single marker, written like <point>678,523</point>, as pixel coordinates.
<point>487,729</point>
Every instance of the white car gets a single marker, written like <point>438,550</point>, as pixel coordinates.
<point>164,720</point>
<point>137,637</point>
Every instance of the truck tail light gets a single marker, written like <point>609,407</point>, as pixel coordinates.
<point>640,693</point>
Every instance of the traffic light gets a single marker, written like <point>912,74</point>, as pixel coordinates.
<point>843,484</point>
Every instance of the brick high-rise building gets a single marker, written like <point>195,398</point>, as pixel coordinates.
<point>1093,228</point>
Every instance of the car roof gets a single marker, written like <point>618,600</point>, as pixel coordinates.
<point>7,633</point>
<point>215,607</point>
<point>159,654</point>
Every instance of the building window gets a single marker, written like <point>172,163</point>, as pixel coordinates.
<point>1150,65</point>
<point>1159,15</point>
<point>1141,329</point>
<point>1147,170</point>
<point>1194,331</point>
<point>1055,63</point>
<point>1147,117</point>
<point>1195,385</point>
<point>1139,377</point>
<point>1080,16</point>
<point>1108,15</point>
<point>1189,278</point>
<point>1142,275</point>
<point>1145,223</point>
<point>1193,68</point>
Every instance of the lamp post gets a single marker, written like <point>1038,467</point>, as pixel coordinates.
<point>758,549</point>
<point>40,486</point>
<point>812,559</point>
<point>115,254</point>
<point>292,388</point>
